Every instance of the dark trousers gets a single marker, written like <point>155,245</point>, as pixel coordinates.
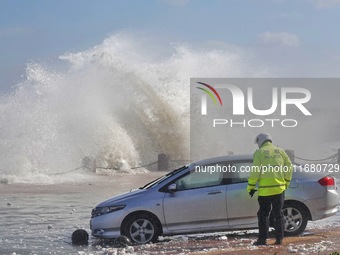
<point>267,204</point>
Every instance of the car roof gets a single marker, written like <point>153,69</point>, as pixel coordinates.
<point>224,158</point>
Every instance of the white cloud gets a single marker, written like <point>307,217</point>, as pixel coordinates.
<point>279,38</point>
<point>326,3</point>
<point>176,2</point>
<point>320,4</point>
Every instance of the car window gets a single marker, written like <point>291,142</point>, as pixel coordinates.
<point>241,172</point>
<point>199,179</point>
<point>163,178</point>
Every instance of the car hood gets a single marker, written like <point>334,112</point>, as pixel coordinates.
<point>122,198</point>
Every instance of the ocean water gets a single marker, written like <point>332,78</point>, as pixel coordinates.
<point>126,100</point>
<point>123,100</point>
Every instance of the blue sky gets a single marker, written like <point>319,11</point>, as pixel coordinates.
<point>291,33</point>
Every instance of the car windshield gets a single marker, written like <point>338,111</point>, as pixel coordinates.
<point>163,178</point>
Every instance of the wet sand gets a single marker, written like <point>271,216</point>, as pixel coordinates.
<point>316,241</point>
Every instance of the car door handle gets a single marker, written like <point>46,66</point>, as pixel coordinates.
<point>214,192</point>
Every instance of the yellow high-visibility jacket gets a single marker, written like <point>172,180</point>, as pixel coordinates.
<point>272,170</point>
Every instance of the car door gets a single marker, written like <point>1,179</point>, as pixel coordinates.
<point>198,204</point>
<point>241,208</point>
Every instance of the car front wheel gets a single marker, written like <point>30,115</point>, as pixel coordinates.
<point>141,228</point>
<point>296,219</point>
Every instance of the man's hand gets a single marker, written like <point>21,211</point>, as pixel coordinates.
<point>252,192</point>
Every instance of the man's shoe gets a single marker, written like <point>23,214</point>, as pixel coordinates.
<point>260,242</point>
<point>278,242</point>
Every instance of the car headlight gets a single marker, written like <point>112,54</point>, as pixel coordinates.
<point>106,209</point>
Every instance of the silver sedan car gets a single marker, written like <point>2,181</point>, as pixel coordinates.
<point>207,196</point>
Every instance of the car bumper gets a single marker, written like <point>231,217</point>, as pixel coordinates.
<point>323,207</point>
<point>107,225</point>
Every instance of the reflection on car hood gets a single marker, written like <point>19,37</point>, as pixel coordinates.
<point>122,198</point>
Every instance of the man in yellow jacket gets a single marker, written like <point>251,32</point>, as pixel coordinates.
<point>272,172</point>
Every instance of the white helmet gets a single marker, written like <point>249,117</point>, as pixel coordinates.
<point>261,138</point>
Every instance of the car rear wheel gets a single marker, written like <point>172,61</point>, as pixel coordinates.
<point>296,219</point>
<point>141,228</point>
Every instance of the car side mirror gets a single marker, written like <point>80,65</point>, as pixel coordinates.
<point>172,187</point>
